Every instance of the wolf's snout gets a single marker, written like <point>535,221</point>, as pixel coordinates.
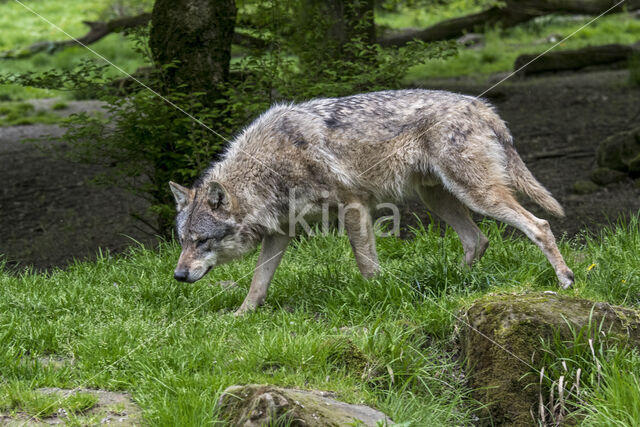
<point>181,275</point>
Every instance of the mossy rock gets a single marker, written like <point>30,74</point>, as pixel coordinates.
<point>501,341</point>
<point>262,405</point>
<point>585,187</point>
<point>618,150</point>
<point>604,176</point>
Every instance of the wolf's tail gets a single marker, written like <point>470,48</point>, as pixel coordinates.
<point>526,183</point>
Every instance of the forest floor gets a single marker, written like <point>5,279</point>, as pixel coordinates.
<point>50,214</point>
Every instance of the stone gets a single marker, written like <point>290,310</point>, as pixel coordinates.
<point>260,405</point>
<point>605,176</point>
<point>585,187</point>
<point>501,338</point>
<point>618,150</point>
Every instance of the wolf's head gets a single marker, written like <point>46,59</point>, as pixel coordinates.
<point>207,230</point>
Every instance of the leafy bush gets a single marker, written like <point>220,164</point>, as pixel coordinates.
<point>146,142</point>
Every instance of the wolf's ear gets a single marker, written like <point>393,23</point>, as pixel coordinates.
<point>180,193</point>
<point>218,196</point>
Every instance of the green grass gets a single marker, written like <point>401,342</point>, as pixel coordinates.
<point>24,113</point>
<point>387,342</point>
<point>599,375</point>
<point>19,28</point>
<point>19,398</point>
<point>502,47</point>
<point>60,105</point>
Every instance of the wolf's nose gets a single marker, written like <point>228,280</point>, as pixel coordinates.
<point>181,275</point>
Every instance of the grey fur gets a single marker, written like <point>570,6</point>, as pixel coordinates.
<point>363,149</point>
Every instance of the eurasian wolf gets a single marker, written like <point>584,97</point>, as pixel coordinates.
<point>452,151</point>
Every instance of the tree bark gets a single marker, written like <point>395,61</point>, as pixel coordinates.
<point>198,35</point>
<point>575,59</point>
<point>329,25</point>
<point>513,13</point>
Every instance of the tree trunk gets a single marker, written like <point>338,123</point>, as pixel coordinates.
<point>575,59</point>
<point>197,34</point>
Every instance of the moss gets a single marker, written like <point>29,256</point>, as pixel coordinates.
<point>503,344</point>
<point>585,187</point>
<point>604,176</point>
<point>343,353</point>
<point>616,151</point>
<point>254,405</point>
<point>60,105</point>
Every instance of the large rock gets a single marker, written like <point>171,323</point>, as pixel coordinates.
<point>501,341</point>
<point>261,405</point>
<point>618,151</point>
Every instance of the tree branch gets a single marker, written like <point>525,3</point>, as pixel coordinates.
<point>98,30</point>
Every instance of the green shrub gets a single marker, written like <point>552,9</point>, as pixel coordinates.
<point>146,142</point>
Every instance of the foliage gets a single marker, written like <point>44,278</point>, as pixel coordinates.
<point>20,28</point>
<point>147,141</point>
<point>389,342</point>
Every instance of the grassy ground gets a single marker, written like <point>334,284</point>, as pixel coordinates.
<point>20,28</point>
<point>388,342</point>
<point>502,47</point>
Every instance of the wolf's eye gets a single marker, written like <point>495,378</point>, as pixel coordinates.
<point>202,242</point>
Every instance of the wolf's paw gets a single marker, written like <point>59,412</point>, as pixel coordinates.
<point>566,279</point>
<point>244,309</point>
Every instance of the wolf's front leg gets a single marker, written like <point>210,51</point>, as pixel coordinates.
<point>357,221</point>
<point>273,248</point>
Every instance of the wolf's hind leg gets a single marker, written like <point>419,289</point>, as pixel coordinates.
<point>357,222</point>
<point>271,253</point>
<point>498,202</point>
<point>453,212</point>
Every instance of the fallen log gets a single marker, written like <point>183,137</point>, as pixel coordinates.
<point>513,13</point>
<point>574,59</point>
<point>456,27</point>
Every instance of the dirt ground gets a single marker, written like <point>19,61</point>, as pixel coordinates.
<point>50,214</point>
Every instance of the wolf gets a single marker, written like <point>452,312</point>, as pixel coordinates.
<point>450,150</point>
